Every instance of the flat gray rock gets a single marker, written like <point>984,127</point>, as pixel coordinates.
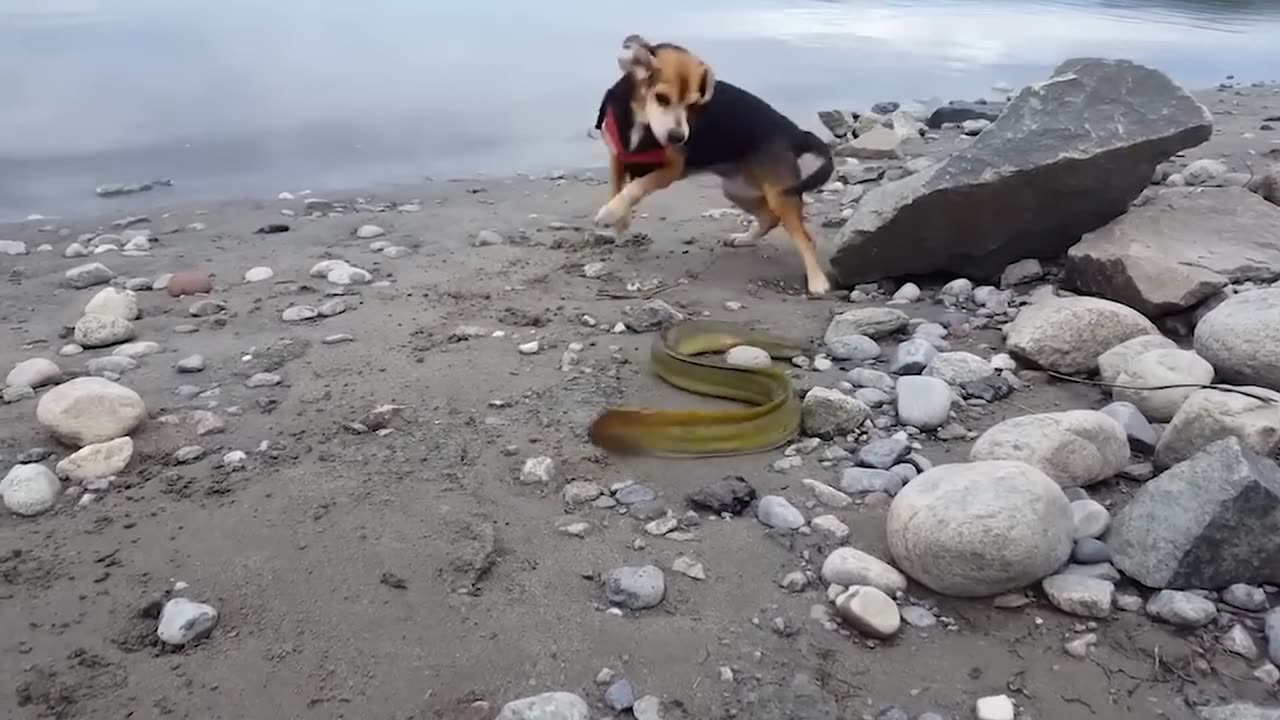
<point>1066,156</point>
<point>1179,249</point>
<point>1208,522</point>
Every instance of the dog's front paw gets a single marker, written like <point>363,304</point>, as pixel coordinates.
<point>743,239</point>
<point>614,215</point>
<point>819,285</point>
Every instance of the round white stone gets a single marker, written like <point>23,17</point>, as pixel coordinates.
<point>1158,368</point>
<point>258,274</point>
<point>114,302</point>
<point>748,356</point>
<point>30,489</point>
<point>183,621</point>
<point>980,529</point>
<point>90,410</point>
<point>1074,447</point>
<point>95,331</point>
<point>34,373</point>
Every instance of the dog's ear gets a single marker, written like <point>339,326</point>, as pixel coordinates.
<point>708,84</point>
<point>636,57</point>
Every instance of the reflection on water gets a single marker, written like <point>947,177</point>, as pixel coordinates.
<point>242,97</point>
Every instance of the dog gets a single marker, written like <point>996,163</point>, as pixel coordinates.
<point>669,117</point>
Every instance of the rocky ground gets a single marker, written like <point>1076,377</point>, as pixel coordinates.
<point>355,483</point>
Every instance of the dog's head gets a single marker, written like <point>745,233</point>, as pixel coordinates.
<point>671,84</point>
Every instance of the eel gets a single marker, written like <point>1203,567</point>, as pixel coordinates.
<point>772,420</point>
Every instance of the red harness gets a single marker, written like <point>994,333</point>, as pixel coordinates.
<point>656,156</point>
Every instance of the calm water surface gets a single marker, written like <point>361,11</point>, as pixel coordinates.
<point>238,98</point>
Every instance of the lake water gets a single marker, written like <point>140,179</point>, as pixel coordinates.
<point>237,98</point>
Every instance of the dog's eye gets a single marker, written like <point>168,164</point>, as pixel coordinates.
<point>662,99</point>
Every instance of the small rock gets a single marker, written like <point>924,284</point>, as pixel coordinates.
<point>369,232</point>
<point>653,315</point>
<point>1245,597</point>
<point>30,489</point>
<point>34,373</point>
<point>1182,609</point>
<point>994,707</point>
<point>776,512</point>
<point>114,302</point>
<point>1237,640</point>
<point>1079,596</point>
<point>1142,437</point>
<point>188,454</point>
<point>299,313</point>
<point>485,238</point>
<point>529,348</point>
<point>190,364</point>
<point>258,274</point>
<point>99,460</point>
<point>923,402</point>
<point>958,368</point>
<point>831,526</point>
<point>206,308</point>
<point>873,322</point>
<point>1079,647</point>
<point>912,357</point>
<point>188,282</point>
<point>184,621</point>
<point>848,566</point>
<point>88,275</point>
<point>731,494</point>
<point>883,453</point>
<point>858,348</point>
<point>348,275</point>
<point>635,588</point>
<point>263,379</point>
<point>1090,551</point>
<point>620,696</point>
<point>689,567</point>
<point>1021,272</point>
<point>748,356</point>
<point>538,471</point>
<point>547,706</point>
<point>95,331</point>
<point>1091,518</point>
<point>827,413</point>
<point>860,481</point>
<point>826,494</point>
<point>869,611</point>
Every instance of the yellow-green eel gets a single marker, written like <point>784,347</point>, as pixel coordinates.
<point>772,420</point>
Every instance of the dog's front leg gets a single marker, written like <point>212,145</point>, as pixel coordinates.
<point>617,212</point>
<point>618,181</point>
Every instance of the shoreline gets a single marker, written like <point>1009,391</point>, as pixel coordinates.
<point>173,199</point>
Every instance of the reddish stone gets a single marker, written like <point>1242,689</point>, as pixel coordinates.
<point>189,282</point>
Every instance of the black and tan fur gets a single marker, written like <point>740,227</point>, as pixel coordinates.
<point>669,100</point>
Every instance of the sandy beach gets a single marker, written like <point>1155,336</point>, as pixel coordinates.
<point>369,561</point>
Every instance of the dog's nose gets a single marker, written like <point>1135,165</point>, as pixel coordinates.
<point>675,137</point>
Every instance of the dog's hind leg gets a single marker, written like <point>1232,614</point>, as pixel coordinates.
<point>751,200</point>
<point>790,209</point>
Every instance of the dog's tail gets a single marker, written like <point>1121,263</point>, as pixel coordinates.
<point>808,143</point>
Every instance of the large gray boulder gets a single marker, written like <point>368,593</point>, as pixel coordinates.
<point>980,529</point>
<point>1241,336</point>
<point>1179,249</point>
<point>1208,522</point>
<point>1066,156</point>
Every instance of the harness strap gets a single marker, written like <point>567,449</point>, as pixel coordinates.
<point>656,156</point>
